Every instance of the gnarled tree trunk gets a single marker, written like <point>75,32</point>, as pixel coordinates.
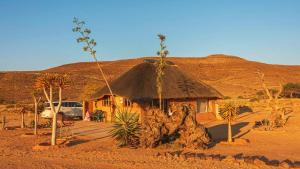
<point>180,128</point>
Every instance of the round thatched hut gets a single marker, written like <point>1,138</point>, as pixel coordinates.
<point>137,88</point>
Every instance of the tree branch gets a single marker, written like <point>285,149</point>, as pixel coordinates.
<point>59,100</point>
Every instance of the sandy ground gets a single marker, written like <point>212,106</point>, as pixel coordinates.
<point>92,148</point>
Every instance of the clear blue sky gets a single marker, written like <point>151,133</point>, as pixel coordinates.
<point>36,34</point>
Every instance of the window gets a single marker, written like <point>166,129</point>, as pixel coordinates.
<point>77,104</point>
<point>202,105</point>
<point>64,104</point>
<point>48,104</point>
<point>165,104</point>
<point>106,101</point>
<point>126,102</point>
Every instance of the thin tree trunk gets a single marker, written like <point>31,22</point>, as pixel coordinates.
<point>54,126</point>
<point>229,132</point>
<point>160,101</point>
<point>35,116</point>
<point>83,109</point>
<point>3,122</point>
<point>22,120</point>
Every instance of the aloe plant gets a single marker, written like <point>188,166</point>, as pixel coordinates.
<point>229,113</point>
<point>126,128</point>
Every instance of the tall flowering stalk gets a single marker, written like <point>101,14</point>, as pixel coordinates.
<point>79,26</point>
<point>162,53</point>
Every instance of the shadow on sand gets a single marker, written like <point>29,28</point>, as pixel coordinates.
<point>237,157</point>
<point>219,132</point>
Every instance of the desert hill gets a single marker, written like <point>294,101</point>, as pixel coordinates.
<point>231,75</point>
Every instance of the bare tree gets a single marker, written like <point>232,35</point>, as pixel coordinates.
<point>273,96</point>
<point>163,52</point>
<point>49,82</point>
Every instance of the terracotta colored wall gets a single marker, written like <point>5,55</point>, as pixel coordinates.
<point>137,108</point>
<point>200,116</point>
<point>134,108</point>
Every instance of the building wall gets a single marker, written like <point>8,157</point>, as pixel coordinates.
<point>110,111</point>
<point>209,114</point>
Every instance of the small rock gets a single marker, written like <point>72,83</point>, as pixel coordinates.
<point>296,165</point>
<point>208,158</point>
<point>217,158</point>
<point>240,161</point>
<point>169,155</point>
<point>182,157</point>
<point>258,162</point>
<point>157,154</point>
<point>248,160</point>
<point>229,158</point>
<point>284,164</point>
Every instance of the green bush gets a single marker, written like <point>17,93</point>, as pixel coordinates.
<point>98,116</point>
<point>126,128</point>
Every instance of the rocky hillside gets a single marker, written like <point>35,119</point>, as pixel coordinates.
<point>231,75</point>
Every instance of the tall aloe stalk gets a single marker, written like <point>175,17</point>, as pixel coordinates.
<point>89,47</point>
<point>162,53</point>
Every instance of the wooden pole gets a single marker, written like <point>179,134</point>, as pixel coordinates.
<point>83,109</point>
<point>3,122</point>
<point>22,119</point>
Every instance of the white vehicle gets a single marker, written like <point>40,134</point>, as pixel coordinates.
<point>70,109</point>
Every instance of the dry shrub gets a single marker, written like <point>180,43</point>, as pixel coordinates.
<point>180,128</point>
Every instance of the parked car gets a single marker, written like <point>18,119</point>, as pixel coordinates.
<point>69,109</point>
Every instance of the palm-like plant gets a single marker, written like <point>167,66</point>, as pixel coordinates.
<point>126,128</point>
<point>229,113</point>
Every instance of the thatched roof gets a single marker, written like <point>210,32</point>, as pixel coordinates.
<point>140,83</point>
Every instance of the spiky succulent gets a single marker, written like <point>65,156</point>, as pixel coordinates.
<point>126,128</point>
<point>229,111</point>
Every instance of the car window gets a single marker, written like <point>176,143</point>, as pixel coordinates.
<point>78,104</point>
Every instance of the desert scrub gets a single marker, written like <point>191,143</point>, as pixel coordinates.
<point>181,129</point>
<point>126,128</point>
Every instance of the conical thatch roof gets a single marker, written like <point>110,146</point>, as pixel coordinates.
<point>140,83</point>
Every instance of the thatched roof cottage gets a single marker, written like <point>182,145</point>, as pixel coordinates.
<point>136,89</point>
